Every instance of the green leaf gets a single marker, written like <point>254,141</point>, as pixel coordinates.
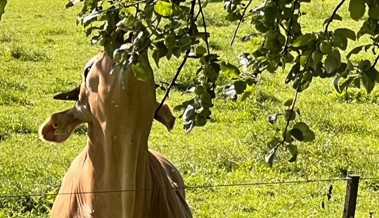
<point>289,102</point>
<point>355,50</point>
<point>325,47</point>
<point>348,33</point>
<point>160,50</point>
<point>90,18</point>
<point>341,86</point>
<point>293,151</point>
<point>357,9</point>
<point>336,84</point>
<point>239,86</point>
<point>371,74</point>
<point>369,86</point>
<point>373,12</point>
<point>340,41</point>
<point>270,156</point>
<point>273,142</point>
<point>231,71</point>
<point>3,3</point>
<point>199,90</point>
<point>248,91</point>
<point>163,8</point>
<point>200,120</point>
<point>302,132</point>
<point>233,16</point>
<point>316,57</point>
<point>302,40</point>
<point>200,50</point>
<point>290,115</point>
<point>297,134</point>
<point>304,58</point>
<point>309,136</point>
<point>368,27</point>
<point>245,95</point>
<point>364,64</point>
<point>141,72</point>
<point>336,17</point>
<point>331,64</point>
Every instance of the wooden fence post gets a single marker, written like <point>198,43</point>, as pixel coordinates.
<point>351,196</point>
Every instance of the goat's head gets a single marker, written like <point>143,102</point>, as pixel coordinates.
<point>104,95</point>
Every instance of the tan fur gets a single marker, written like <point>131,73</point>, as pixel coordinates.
<point>116,175</point>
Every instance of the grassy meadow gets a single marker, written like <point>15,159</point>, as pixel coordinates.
<point>42,52</point>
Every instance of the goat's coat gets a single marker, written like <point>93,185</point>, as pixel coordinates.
<point>116,176</point>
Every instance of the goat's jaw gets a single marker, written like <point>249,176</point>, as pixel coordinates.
<point>59,127</point>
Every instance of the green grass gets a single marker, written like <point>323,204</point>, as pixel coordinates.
<point>43,51</point>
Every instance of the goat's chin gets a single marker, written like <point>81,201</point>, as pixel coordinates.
<point>53,135</point>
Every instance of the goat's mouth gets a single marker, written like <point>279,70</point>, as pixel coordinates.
<point>60,132</point>
<point>51,132</point>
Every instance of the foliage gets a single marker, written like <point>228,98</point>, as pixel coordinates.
<point>309,54</point>
<point>169,28</point>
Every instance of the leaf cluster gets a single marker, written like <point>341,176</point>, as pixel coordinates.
<point>307,55</point>
<point>295,131</point>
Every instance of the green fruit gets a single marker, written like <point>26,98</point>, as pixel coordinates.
<point>325,47</point>
<point>206,112</point>
<point>205,97</point>
<point>200,120</point>
<point>261,27</point>
<point>316,56</point>
<point>364,64</point>
<point>199,90</point>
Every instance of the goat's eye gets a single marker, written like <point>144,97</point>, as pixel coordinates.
<point>87,69</point>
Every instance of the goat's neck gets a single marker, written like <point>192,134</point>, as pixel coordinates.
<point>118,146</point>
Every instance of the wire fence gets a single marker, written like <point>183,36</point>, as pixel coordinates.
<point>252,184</point>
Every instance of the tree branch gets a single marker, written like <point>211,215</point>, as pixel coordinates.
<point>333,14</point>
<point>192,21</point>
<point>173,80</point>
<point>205,26</point>
<point>289,29</point>
<point>240,21</point>
<point>292,109</point>
<point>375,62</point>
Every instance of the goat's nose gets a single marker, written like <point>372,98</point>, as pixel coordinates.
<point>55,125</point>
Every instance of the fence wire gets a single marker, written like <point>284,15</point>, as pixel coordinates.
<point>290,182</point>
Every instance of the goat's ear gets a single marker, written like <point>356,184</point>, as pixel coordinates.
<point>72,95</point>
<point>165,116</point>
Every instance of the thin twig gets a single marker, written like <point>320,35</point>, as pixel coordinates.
<point>173,80</point>
<point>285,30</point>
<point>333,14</point>
<point>205,26</point>
<point>292,110</point>
<point>240,21</point>
<point>289,29</point>
<point>375,62</point>
<point>193,3</point>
